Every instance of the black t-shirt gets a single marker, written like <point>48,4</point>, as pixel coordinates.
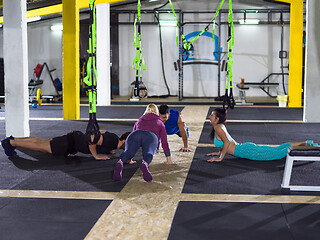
<point>110,142</point>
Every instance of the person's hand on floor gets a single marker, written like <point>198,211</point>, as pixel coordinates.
<point>215,159</point>
<point>101,157</point>
<point>184,149</point>
<point>131,161</point>
<point>213,154</point>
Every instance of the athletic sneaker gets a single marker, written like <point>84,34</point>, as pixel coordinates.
<point>8,149</point>
<point>117,174</point>
<point>145,170</point>
<point>315,144</point>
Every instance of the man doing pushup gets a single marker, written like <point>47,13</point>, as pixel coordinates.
<point>175,124</point>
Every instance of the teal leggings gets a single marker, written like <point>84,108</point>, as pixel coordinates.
<point>253,151</point>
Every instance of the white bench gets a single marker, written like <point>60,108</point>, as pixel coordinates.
<point>303,153</point>
<point>247,85</point>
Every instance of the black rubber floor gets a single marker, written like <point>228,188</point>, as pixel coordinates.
<point>119,112</point>
<point>39,171</point>
<point>241,176</point>
<point>263,113</point>
<point>48,218</point>
<point>209,101</point>
<point>263,221</point>
<point>56,111</point>
<point>267,133</point>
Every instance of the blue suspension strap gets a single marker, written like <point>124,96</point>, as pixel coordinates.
<point>92,132</point>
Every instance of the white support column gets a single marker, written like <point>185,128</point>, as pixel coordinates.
<point>311,111</point>
<point>15,52</point>
<point>103,55</point>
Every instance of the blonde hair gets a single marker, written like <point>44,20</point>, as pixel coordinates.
<point>151,108</point>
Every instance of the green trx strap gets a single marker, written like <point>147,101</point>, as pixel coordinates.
<point>214,19</point>
<point>188,45</point>
<point>92,132</point>
<point>228,101</point>
<point>177,23</point>
<point>138,61</point>
<point>184,41</point>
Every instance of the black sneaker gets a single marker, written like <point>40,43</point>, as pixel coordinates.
<point>8,149</point>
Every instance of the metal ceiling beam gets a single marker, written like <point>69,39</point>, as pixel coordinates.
<point>57,8</point>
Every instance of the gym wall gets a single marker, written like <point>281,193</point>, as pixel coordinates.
<point>44,45</point>
<point>256,54</point>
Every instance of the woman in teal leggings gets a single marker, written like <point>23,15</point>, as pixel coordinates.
<point>248,150</point>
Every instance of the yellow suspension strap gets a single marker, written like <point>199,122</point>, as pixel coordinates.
<point>228,100</point>
<point>92,133</point>
<point>138,62</point>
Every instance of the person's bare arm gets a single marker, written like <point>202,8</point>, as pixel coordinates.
<point>184,135</point>
<point>93,150</point>
<point>226,143</point>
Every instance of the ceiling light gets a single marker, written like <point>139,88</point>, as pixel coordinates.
<point>249,21</point>
<point>57,27</point>
<point>168,23</point>
<point>33,19</point>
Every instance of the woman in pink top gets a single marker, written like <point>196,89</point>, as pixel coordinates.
<point>147,132</point>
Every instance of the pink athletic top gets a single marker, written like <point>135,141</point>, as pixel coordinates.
<point>152,122</point>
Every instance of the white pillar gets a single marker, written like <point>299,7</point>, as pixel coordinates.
<point>103,54</point>
<point>311,111</point>
<point>15,53</point>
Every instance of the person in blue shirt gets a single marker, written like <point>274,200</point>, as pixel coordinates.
<point>174,124</point>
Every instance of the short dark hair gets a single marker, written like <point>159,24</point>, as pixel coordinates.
<point>164,109</point>
<point>124,136</point>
